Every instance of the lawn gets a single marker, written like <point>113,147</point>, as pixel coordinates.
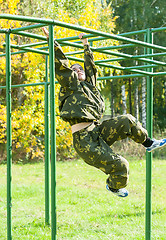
<point>85,209</point>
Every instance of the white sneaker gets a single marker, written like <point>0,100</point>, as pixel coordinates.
<point>122,192</point>
<point>156,144</point>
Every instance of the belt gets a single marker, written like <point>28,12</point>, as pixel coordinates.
<point>79,126</point>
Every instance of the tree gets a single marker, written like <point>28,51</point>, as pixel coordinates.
<point>136,15</point>
<point>28,117</point>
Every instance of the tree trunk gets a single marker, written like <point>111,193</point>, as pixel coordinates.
<point>130,102</point>
<point>112,100</point>
<point>136,103</point>
<point>144,102</point>
<point>124,99</point>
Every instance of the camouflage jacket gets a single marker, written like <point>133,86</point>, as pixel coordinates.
<point>79,101</point>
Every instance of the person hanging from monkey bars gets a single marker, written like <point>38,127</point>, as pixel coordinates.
<point>82,105</point>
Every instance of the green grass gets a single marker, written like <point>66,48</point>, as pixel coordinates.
<point>85,210</point>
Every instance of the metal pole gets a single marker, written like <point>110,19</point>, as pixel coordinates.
<point>80,28</point>
<point>25,85</point>
<point>28,27</point>
<point>113,66</point>
<point>53,137</point>
<point>47,148</point>
<point>9,135</point>
<point>149,155</point>
<point>27,49</point>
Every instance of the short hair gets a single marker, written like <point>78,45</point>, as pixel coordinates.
<point>78,65</point>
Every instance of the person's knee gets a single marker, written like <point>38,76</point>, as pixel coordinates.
<point>119,175</point>
<point>128,117</point>
<point>124,167</point>
<point>121,166</point>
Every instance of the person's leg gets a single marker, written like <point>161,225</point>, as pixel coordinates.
<point>96,152</point>
<point>124,126</point>
<point>121,127</point>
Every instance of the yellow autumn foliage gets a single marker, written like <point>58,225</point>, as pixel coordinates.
<point>28,116</point>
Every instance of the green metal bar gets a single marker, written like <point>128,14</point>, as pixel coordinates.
<point>36,36</point>
<point>113,66</point>
<point>18,52</point>
<point>149,155</point>
<point>3,55</point>
<point>124,68</point>
<point>103,48</point>
<point>25,85</point>
<point>144,60</point>
<point>139,57</point>
<point>15,30</point>
<point>74,53</point>
<point>33,44</point>
<point>111,60</point>
<point>32,35</point>
<point>47,148</point>
<point>142,66</point>
<point>150,55</point>
<point>132,33</point>
<point>119,77</point>
<point>30,49</point>
<point>99,78</point>
<point>53,138</point>
<point>122,76</point>
<point>79,28</point>
<point>159,74</point>
<point>97,50</point>
<point>13,53</point>
<point>76,38</point>
<point>94,39</point>
<point>129,57</point>
<point>26,18</point>
<point>9,137</point>
<point>3,30</point>
<point>132,67</point>
<point>117,54</point>
<point>117,47</point>
<point>158,29</point>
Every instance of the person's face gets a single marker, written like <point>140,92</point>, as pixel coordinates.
<point>78,69</point>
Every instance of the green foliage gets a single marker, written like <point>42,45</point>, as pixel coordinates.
<point>136,15</point>
<point>75,7</point>
<point>51,8</point>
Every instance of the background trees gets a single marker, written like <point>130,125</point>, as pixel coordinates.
<point>135,15</point>
<point>27,103</point>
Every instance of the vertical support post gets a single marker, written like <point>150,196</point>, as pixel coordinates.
<point>149,155</point>
<point>9,135</point>
<point>47,148</point>
<point>53,137</point>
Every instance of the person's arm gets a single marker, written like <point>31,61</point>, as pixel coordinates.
<point>90,68</point>
<point>65,76</point>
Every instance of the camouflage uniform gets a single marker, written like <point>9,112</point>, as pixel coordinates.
<point>80,101</point>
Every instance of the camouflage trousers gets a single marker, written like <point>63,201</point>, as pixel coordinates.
<point>93,146</point>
